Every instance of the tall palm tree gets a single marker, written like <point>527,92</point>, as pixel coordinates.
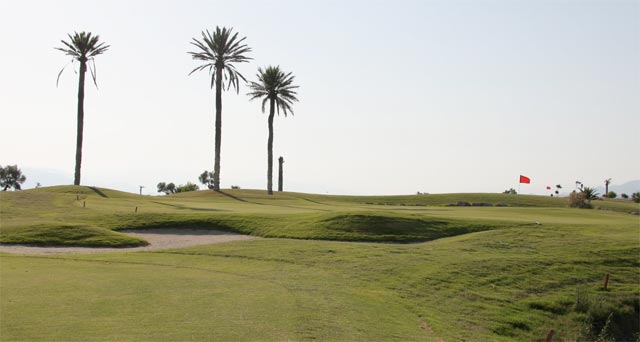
<point>82,47</point>
<point>219,51</point>
<point>277,88</point>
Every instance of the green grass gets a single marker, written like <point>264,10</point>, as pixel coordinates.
<point>91,215</point>
<point>488,274</point>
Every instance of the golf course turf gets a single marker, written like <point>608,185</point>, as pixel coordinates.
<point>332,268</point>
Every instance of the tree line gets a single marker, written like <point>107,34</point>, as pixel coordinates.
<point>219,51</point>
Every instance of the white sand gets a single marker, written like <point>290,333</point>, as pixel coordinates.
<point>157,239</point>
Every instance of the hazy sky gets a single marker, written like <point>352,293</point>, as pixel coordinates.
<point>395,96</point>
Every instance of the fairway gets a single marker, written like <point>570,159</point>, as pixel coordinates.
<point>331,268</point>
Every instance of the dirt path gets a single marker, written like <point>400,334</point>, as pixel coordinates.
<point>157,239</point>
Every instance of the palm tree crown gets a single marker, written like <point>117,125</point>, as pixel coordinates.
<point>274,84</point>
<point>83,47</point>
<point>221,49</point>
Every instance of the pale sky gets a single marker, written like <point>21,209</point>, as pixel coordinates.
<point>395,96</point>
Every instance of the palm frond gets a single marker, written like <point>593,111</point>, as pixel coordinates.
<point>83,47</point>
<point>274,84</point>
<point>221,49</point>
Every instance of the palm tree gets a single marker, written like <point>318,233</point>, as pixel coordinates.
<point>219,51</point>
<point>82,47</point>
<point>589,193</point>
<point>276,87</point>
<point>606,187</point>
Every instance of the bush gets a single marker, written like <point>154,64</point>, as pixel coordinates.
<point>636,197</point>
<point>235,187</point>
<point>187,187</point>
<point>612,194</point>
<point>579,200</point>
<point>511,191</point>
<point>625,196</point>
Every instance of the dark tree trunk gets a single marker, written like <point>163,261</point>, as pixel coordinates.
<point>80,128</point>
<point>216,166</point>
<point>280,162</point>
<point>270,148</point>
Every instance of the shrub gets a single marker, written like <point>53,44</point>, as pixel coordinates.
<point>235,187</point>
<point>464,204</point>
<point>579,200</point>
<point>636,197</point>
<point>187,187</point>
<point>612,194</point>
<point>625,196</point>
<point>511,191</point>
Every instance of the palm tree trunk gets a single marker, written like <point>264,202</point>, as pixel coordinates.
<point>280,162</point>
<point>216,166</point>
<point>80,128</point>
<point>270,148</point>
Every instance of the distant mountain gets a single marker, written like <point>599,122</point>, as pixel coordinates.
<point>626,188</point>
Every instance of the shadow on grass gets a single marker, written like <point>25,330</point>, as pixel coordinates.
<point>97,191</point>
<point>184,207</point>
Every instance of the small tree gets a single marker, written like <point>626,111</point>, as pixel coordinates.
<point>11,177</point>
<point>625,196</point>
<point>612,194</point>
<point>167,188</point>
<point>206,178</point>
<point>635,197</point>
<point>511,191</point>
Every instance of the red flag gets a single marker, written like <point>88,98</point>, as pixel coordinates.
<point>548,187</point>
<point>525,179</point>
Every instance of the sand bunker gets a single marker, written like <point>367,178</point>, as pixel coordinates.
<point>157,239</point>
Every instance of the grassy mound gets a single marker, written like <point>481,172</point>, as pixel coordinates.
<point>68,235</point>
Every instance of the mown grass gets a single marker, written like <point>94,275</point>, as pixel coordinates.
<point>90,215</point>
<point>489,273</point>
<point>501,285</point>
